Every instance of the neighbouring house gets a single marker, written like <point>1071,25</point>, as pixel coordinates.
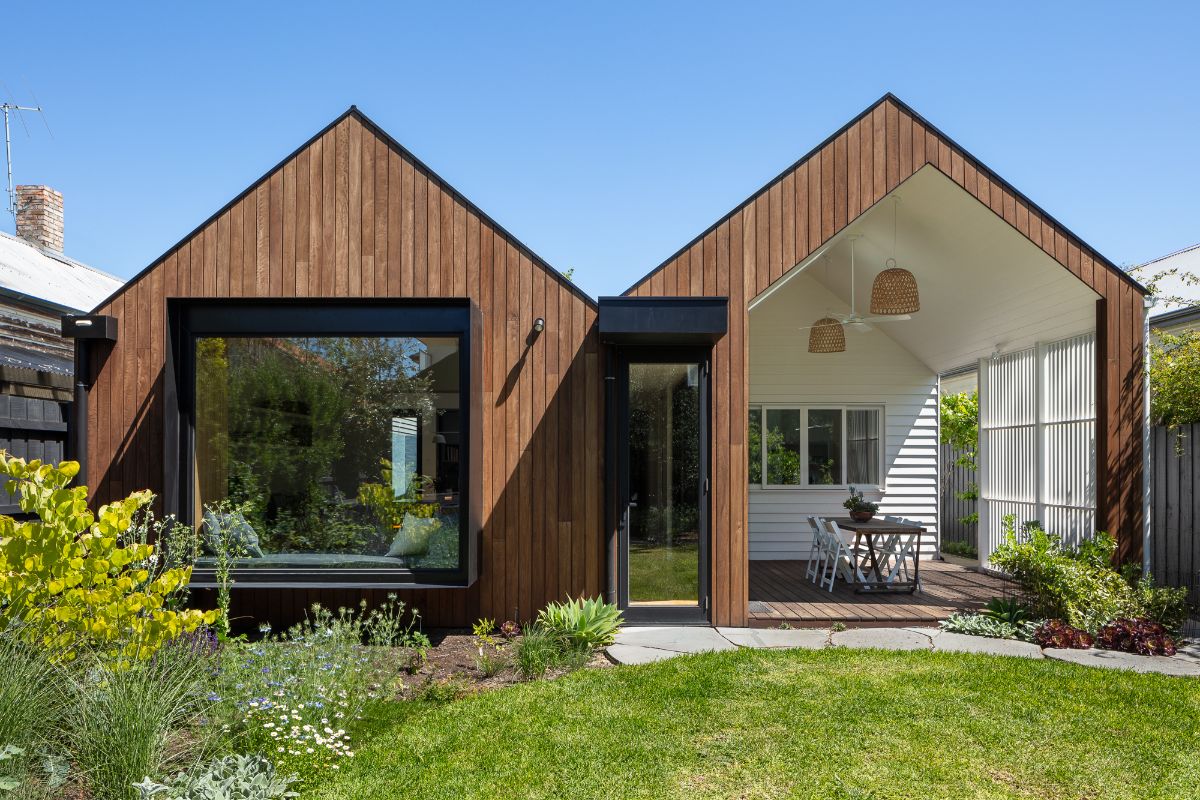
<point>1176,317</point>
<point>370,386</point>
<point>38,285</point>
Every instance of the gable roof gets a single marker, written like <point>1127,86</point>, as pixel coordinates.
<point>369,124</point>
<point>828,142</point>
<point>46,278</point>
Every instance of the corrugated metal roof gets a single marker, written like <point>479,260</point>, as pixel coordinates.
<point>51,278</point>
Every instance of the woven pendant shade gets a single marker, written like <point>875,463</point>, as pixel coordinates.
<point>894,292</point>
<point>826,336</point>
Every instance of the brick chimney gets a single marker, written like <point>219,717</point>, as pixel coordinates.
<point>40,216</point>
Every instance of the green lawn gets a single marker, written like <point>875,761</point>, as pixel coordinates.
<point>663,573</point>
<point>760,724</point>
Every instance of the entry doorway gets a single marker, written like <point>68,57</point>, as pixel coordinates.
<point>663,483</point>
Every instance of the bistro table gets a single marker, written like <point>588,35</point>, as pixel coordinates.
<point>865,533</point>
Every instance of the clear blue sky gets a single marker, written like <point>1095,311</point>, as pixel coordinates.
<point>603,135</point>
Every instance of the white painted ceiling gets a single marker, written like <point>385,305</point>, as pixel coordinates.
<point>984,287</point>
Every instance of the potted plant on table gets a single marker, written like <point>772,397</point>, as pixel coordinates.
<point>860,508</point>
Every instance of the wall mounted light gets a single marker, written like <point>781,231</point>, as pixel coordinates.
<point>539,325</point>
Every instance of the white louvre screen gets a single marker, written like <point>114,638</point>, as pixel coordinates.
<point>1037,440</point>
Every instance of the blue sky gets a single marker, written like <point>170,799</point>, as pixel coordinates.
<point>604,136</point>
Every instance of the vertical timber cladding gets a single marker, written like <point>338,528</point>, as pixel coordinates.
<point>352,214</point>
<point>803,208</point>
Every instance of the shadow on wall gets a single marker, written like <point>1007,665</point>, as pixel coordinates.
<point>542,484</point>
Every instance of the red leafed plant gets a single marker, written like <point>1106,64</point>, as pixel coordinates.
<point>1057,633</point>
<point>1140,635</point>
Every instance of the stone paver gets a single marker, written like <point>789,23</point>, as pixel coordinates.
<point>960,643</point>
<point>649,644</point>
<point>882,638</point>
<point>1112,659</point>
<point>634,654</point>
<point>1189,653</point>
<point>758,638</point>
<point>677,638</point>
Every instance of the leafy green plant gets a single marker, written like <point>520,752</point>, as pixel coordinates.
<point>236,777</point>
<point>1006,609</point>
<point>979,625</point>
<point>959,425</point>
<point>856,502</point>
<point>75,579</point>
<point>1079,586</point>
<point>961,549</point>
<point>389,509</point>
<point>591,622</point>
<point>1166,605</point>
<point>1175,378</point>
<point>9,780</point>
<point>490,657</point>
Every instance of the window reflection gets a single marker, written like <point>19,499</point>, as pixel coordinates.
<point>329,451</point>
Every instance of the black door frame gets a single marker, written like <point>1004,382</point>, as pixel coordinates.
<point>637,354</point>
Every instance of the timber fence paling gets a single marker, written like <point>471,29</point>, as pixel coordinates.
<point>31,428</point>
<point>956,479</point>
<point>1175,507</point>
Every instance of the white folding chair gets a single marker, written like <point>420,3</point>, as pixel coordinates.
<point>897,549</point>
<point>840,557</point>
<point>817,527</point>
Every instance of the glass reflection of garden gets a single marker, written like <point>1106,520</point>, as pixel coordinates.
<point>664,475</point>
<point>329,452</point>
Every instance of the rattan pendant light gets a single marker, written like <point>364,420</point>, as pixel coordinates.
<point>895,289</point>
<point>827,336</point>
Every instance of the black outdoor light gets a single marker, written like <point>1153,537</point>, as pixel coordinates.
<point>539,325</point>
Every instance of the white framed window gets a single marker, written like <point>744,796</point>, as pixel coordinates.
<point>816,446</point>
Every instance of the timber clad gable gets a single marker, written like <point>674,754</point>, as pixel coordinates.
<point>802,209</point>
<point>353,214</point>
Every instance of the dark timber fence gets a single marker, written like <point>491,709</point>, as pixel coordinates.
<point>956,479</point>
<point>30,428</point>
<point>1175,507</point>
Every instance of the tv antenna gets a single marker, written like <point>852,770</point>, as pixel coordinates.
<point>8,109</point>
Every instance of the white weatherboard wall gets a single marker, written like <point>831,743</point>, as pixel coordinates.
<point>1037,426</point>
<point>874,370</point>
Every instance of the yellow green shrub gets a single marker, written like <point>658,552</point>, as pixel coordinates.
<point>72,580</point>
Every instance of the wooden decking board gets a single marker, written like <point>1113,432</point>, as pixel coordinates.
<point>781,593</point>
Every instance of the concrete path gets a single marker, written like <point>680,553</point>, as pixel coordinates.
<point>644,645</point>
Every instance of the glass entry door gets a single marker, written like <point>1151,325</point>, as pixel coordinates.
<point>664,458</point>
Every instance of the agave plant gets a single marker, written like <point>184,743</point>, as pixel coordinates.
<point>591,622</point>
<point>1006,609</point>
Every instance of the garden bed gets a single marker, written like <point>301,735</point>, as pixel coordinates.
<point>453,657</point>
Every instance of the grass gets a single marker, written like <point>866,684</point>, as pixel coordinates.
<point>663,573</point>
<point>761,724</point>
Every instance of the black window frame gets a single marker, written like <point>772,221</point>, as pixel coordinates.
<point>189,319</point>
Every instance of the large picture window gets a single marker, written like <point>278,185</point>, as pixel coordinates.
<point>802,446</point>
<point>328,452</point>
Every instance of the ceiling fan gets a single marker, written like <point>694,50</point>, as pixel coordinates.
<point>854,320</point>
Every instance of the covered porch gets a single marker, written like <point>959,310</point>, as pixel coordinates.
<point>864,412</point>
